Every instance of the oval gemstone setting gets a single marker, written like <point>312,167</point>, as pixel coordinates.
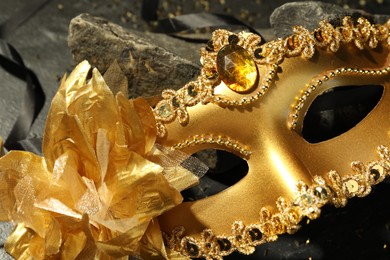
<point>236,68</point>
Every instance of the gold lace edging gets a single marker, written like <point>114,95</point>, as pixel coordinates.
<point>309,200</point>
<point>303,43</point>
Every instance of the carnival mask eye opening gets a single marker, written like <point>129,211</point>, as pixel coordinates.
<point>225,170</point>
<point>338,110</point>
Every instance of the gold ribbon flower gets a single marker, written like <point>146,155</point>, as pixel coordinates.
<point>95,192</point>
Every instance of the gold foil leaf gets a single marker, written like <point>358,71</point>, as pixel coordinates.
<point>95,191</point>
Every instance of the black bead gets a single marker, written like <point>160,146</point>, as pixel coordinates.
<point>320,192</point>
<point>210,45</point>
<point>318,36</point>
<point>375,174</point>
<point>191,91</point>
<point>233,39</point>
<point>292,42</point>
<point>175,103</point>
<point>192,249</point>
<point>224,244</point>
<point>258,52</point>
<point>255,234</point>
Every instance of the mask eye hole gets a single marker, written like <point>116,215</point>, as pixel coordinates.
<point>225,169</point>
<point>339,110</point>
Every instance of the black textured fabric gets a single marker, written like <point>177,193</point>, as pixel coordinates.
<point>179,25</point>
<point>34,97</point>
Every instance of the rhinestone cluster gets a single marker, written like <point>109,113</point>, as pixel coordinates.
<point>302,43</point>
<point>308,201</point>
<point>317,82</point>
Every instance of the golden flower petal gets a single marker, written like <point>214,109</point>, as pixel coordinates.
<point>181,170</point>
<point>139,191</point>
<point>17,243</point>
<point>22,174</point>
<point>73,245</point>
<point>24,243</point>
<point>139,122</point>
<point>78,110</point>
<point>152,244</point>
<point>36,247</point>
<point>95,191</point>
<point>79,242</point>
<point>67,177</point>
<point>53,238</point>
<point>123,244</point>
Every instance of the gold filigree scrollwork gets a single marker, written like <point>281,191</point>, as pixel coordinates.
<point>308,201</point>
<point>304,43</point>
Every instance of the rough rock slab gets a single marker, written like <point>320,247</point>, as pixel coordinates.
<point>149,67</point>
<point>309,14</point>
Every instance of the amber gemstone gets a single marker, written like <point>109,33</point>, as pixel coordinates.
<point>236,68</point>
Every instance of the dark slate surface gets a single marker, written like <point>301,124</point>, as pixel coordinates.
<point>358,231</point>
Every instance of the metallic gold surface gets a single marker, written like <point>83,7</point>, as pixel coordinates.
<point>102,182</point>
<point>95,191</point>
<point>20,237</point>
<point>280,157</point>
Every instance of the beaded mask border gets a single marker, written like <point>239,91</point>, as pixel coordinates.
<point>309,199</point>
<point>363,35</point>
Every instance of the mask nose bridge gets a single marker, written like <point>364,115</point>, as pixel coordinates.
<point>277,166</point>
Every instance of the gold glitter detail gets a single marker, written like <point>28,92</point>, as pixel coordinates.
<point>244,238</point>
<point>223,141</point>
<point>300,100</point>
<point>303,43</point>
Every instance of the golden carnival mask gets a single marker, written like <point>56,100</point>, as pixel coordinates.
<point>106,174</point>
<point>251,100</point>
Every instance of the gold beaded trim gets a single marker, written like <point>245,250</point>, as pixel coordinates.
<point>227,142</point>
<point>302,43</point>
<point>308,202</point>
<point>315,83</point>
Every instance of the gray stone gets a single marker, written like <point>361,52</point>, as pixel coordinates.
<point>148,67</point>
<point>5,230</point>
<point>309,14</point>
